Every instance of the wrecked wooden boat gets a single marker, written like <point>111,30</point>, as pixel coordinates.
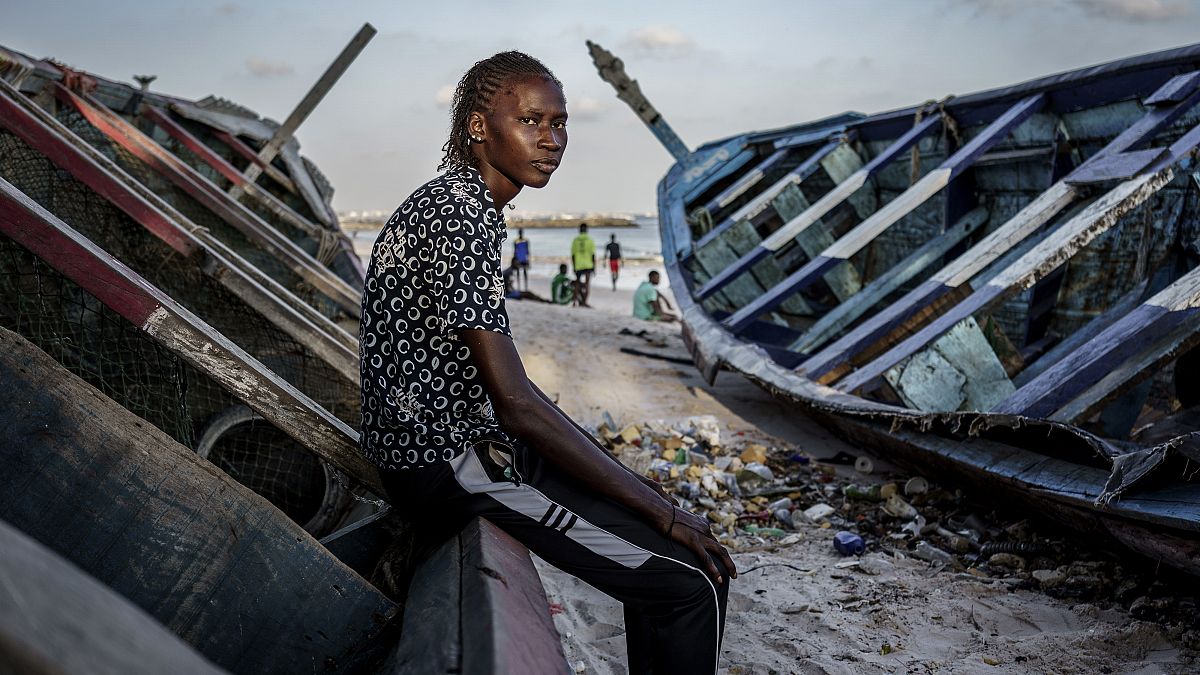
<point>178,312</point>
<point>999,286</point>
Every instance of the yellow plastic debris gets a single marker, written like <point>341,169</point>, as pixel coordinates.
<point>631,433</point>
<point>754,453</point>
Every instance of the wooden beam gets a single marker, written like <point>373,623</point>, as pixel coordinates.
<point>840,193</point>
<point>1060,245</point>
<point>477,607</point>
<point>612,71</point>
<point>959,371</point>
<point>506,623</point>
<point>309,103</point>
<point>866,231</point>
<point>831,362</point>
<point>1117,160</point>
<point>747,180</point>
<point>54,618</point>
<point>295,317</point>
<point>1042,259</point>
<point>205,556</point>
<point>762,200</point>
<point>230,173</point>
<point>875,292</point>
<point>183,333</point>
<point>843,280</point>
<point>238,146</point>
<point>229,210</point>
<point>1126,352</point>
<point>1075,340</point>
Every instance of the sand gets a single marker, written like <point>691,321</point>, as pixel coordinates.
<point>794,610</point>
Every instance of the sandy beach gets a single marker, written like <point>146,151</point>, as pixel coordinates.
<point>800,607</point>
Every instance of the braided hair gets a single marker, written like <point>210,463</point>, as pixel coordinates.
<point>475,93</point>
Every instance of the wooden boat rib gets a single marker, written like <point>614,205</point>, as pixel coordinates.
<point>994,286</point>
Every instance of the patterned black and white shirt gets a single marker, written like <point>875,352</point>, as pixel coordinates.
<point>435,269</point>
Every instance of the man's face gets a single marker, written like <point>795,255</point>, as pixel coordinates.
<point>654,278</point>
<point>526,133</point>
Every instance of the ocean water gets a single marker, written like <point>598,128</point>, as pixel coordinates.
<point>550,246</point>
<point>641,242</point>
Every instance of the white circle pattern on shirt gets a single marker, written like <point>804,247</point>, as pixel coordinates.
<point>435,269</point>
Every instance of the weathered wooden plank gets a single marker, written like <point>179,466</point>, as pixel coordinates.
<point>843,280</point>
<point>230,173</point>
<point>209,559</point>
<point>717,255</point>
<point>1120,308</point>
<point>1117,161</point>
<point>89,166</point>
<point>839,165</point>
<point>742,237</point>
<point>506,618</point>
<point>762,200</point>
<point>54,618</point>
<point>847,312</point>
<point>959,371</point>
<point>1124,353</point>
<point>431,641</point>
<point>477,607</point>
<point>1051,252</point>
<point>183,333</point>
<point>1175,90</point>
<point>866,232</point>
<point>234,213</point>
<point>238,146</point>
<point>748,180</point>
<point>309,103</point>
<point>775,240</point>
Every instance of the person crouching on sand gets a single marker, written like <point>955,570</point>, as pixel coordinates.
<point>457,428</point>
<point>648,302</point>
<point>562,289</point>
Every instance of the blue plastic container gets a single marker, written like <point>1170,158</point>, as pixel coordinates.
<point>848,543</point>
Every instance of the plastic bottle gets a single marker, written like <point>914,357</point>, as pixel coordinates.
<point>861,494</point>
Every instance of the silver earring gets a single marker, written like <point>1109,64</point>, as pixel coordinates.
<point>477,139</point>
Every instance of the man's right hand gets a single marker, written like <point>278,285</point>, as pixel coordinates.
<point>693,532</point>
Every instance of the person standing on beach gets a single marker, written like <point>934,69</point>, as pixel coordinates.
<point>456,427</point>
<point>583,258</point>
<point>521,255</point>
<point>648,302</point>
<point>612,253</point>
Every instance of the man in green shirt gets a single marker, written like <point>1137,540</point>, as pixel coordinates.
<point>648,302</point>
<point>583,258</point>
<point>562,291</point>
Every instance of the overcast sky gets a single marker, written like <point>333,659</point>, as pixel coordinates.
<point>712,69</point>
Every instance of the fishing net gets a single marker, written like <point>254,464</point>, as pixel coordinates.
<point>198,213</point>
<point>107,351</point>
<point>102,348</point>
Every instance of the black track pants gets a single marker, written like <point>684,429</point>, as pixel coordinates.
<point>674,613</point>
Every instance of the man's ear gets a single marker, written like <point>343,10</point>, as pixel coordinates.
<point>477,125</point>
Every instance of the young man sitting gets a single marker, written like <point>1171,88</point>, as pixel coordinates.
<point>648,302</point>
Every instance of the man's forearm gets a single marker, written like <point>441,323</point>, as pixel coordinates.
<point>595,441</point>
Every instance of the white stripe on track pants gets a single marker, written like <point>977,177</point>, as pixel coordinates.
<point>674,613</point>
